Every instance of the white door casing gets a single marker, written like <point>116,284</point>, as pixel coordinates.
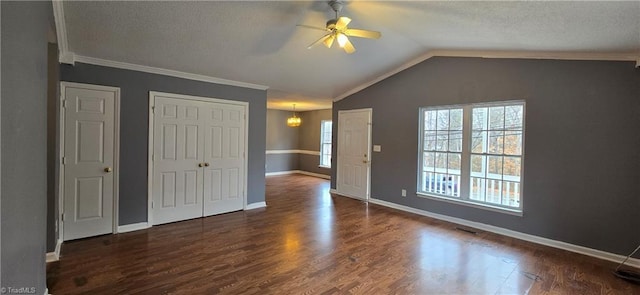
<point>224,158</point>
<point>218,164</point>
<point>354,156</point>
<point>89,148</point>
<point>178,150</point>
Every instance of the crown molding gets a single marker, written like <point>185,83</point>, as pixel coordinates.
<point>64,55</point>
<point>165,72</point>
<point>495,54</point>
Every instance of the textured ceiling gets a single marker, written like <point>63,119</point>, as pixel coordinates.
<point>258,42</point>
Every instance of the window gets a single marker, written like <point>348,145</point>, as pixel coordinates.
<point>325,144</point>
<point>473,154</point>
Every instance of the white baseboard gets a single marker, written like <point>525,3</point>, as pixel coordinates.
<point>313,174</point>
<point>133,227</point>
<point>634,262</point>
<point>55,255</point>
<point>306,152</point>
<point>280,173</point>
<point>256,205</point>
<point>298,172</point>
<point>334,191</point>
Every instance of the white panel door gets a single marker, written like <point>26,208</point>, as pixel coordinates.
<point>224,158</point>
<point>177,166</point>
<point>353,153</point>
<point>88,188</point>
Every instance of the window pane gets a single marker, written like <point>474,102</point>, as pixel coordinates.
<point>442,141</point>
<point>455,119</point>
<point>496,142</point>
<point>441,162</point>
<point>511,194</point>
<point>326,137</point>
<point>513,117</point>
<point>495,167</point>
<point>326,160</point>
<point>493,192</point>
<point>478,165</point>
<point>430,120</point>
<point>496,118</point>
<point>326,149</point>
<point>513,143</point>
<point>429,161</point>
<point>479,118</point>
<point>479,142</point>
<point>443,119</point>
<point>426,183</point>
<point>478,189</point>
<point>511,169</point>
<point>455,141</point>
<point>453,166</point>
<point>429,141</point>
<point>452,185</point>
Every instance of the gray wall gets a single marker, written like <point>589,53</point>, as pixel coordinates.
<point>53,77</point>
<point>581,166</point>
<point>309,139</point>
<point>134,118</point>
<point>279,135</point>
<point>24,138</point>
<point>306,137</point>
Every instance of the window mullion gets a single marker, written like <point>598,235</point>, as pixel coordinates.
<point>465,167</point>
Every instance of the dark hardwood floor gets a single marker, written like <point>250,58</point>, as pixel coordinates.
<point>309,242</point>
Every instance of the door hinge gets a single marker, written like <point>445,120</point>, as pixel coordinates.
<point>64,160</point>
<point>151,205</point>
<point>153,110</point>
<point>63,216</point>
<point>64,103</point>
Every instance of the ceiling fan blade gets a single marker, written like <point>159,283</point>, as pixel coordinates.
<point>329,41</point>
<point>362,33</point>
<point>342,22</point>
<point>319,41</point>
<point>312,27</point>
<point>348,47</point>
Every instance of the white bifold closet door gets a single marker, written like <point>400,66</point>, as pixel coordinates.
<point>198,161</point>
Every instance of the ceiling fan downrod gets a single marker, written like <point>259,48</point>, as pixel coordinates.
<point>336,5</point>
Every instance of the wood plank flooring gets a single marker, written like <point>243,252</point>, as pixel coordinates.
<point>309,242</point>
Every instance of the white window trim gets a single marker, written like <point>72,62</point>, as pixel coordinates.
<point>466,158</point>
<point>322,122</point>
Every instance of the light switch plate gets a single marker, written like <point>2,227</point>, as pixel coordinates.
<point>377,148</point>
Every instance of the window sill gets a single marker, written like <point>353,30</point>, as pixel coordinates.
<point>323,166</point>
<point>471,204</point>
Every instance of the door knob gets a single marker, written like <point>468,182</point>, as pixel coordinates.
<point>365,161</point>
<point>108,169</point>
<point>206,164</point>
<point>200,165</point>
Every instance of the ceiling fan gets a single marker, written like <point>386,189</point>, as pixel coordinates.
<point>337,30</point>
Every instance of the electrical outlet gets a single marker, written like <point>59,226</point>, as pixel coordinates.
<point>404,192</point>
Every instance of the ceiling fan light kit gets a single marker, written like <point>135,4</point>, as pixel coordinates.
<point>337,30</point>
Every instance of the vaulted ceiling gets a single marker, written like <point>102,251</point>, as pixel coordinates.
<point>259,43</point>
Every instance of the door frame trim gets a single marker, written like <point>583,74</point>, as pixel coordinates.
<point>152,102</point>
<point>116,151</point>
<point>370,123</point>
